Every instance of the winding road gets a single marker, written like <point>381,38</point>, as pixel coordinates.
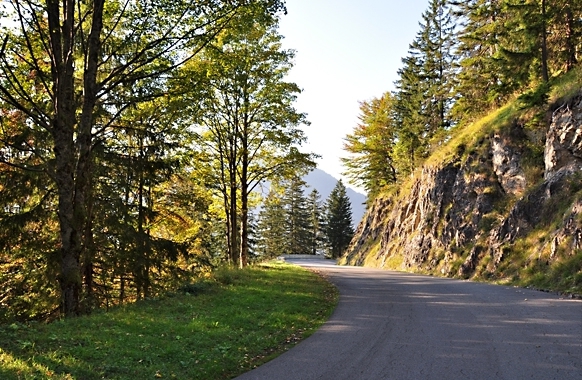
<point>392,325</point>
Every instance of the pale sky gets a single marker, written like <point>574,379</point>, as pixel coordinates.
<point>347,51</point>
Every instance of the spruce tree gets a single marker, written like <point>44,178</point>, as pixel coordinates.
<point>271,227</point>
<point>316,222</point>
<point>297,217</point>
<point>409,149</point>
<point>437,43</point>
<point>424,93</point>
<point>338,221</point>
<point>481,84</point>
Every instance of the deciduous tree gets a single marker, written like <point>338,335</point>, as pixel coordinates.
<point>371,146</point>
<point>247,118</point>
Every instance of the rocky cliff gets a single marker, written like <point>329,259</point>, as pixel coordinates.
<point>499,209</point>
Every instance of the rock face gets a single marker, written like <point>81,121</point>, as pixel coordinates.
<point>564,139</point>
<point>471,211</point>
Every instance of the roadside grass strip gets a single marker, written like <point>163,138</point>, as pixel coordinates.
<point>215,329</point>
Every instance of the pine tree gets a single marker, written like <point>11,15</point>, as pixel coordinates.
<point>271,227</point>
<point>316,222</point>
<point>409,150</point>
<point>437,43</point>
<point>297,217</point>
<point>481,84</point>
<point>565,33</point>
<point>424,93</point>
<point>338,221</point>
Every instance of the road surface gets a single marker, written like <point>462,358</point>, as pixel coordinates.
<point>392,325</point>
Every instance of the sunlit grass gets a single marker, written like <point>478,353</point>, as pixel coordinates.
<point>567,85</point>
<point>465,139</point>
<point>238,321</point>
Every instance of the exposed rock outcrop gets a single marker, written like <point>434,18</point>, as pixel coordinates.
<point>470,211</point>
<point>564,139</point>
<point>506,163</point>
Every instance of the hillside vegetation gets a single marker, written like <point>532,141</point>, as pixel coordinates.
<point>500,201</point>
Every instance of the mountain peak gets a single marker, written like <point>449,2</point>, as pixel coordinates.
<point>325,182</point>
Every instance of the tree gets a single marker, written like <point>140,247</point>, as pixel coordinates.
<point>271,226</point>
<point>437,43</point>
<point>371,146</point>
<point>297,217</point>
<point>565,33</point>
<point>424,94</point>
<point>79,56</point>
<point>338,220</point>
<point>247,120</point>
<point>409,149</point>
<point>481,84</point>
<point>316,225</point>
<point>510,46</point>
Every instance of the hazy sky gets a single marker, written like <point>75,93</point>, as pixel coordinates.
<point>347,51</point>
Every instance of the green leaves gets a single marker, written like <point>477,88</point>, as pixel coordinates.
<point>372,162</point>
<point>246,122</point>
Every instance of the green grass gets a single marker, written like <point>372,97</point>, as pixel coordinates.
<point>224,326</point>
<point>564,276</point>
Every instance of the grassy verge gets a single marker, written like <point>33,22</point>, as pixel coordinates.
<point>213,330</point>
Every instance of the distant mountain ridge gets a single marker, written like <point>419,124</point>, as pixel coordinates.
<point>324,183</point>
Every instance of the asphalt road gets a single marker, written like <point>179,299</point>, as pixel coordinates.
<point>391,325</point>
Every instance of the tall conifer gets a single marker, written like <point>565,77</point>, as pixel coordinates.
<point>424,93</point>
<point>316,222</point>
<point>297,217</point>
<point>271,227</point>
<point>338,221</point>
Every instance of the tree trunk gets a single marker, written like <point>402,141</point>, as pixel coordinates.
<point>62,128</point>
<point>571,60</point>
<point>232,167</point>
<point>545,74</point>
<point>73,158</point>
<point>244,190</point>
<point>233,221</point>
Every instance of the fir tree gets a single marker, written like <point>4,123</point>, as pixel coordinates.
<point>424,93</point>
<point>480,82</point>
<point>338,221</point>
<point>297,217</point>
<point>271,227</point>
<point>316,222</point>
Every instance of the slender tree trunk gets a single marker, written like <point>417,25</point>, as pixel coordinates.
<point>545,74</point>
<point>233,220</point>
<point>143,246</point>
<point>84,171</point>
<point>233,183</point>
<point>73,157</point>
<point>62,69</point>
<point>88,255</point>
<point>121,289</point>
<point>224,191</point>
<point>228,229</point>
<point>571,60</point>
<point>244,193</point>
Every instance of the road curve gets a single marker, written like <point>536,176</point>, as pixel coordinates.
<point>392,325</point>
